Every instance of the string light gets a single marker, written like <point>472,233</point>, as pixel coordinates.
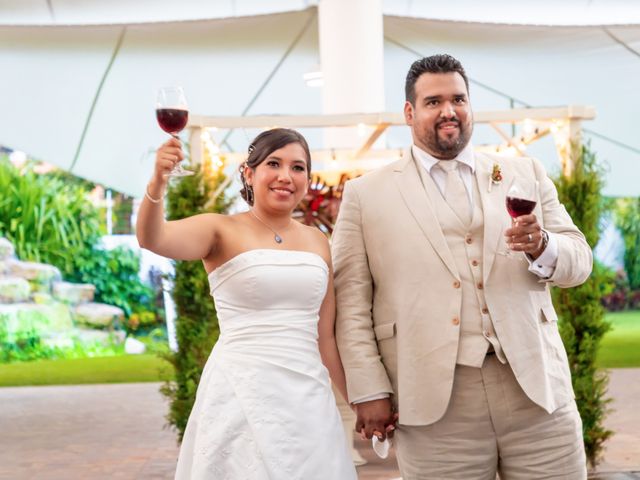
<point>212,149</point>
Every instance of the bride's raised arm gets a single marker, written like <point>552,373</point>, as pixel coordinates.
<point>191,238</point>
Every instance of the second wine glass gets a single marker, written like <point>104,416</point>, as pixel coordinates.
<point>172,114</point>
<point>520,200</point>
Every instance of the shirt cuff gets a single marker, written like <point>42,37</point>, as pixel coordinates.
<point>545,264</point>
<point>370,398</point>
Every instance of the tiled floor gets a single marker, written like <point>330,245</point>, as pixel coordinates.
<point>115,432</point>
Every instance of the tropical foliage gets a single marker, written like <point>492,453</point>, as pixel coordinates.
<point>196,323</point>
<point>582,324</point>
<point>49,219</point>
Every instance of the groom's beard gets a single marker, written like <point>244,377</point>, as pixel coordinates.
<point>448,146</point>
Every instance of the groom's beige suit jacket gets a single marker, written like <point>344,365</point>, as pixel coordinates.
<point>398,295</point>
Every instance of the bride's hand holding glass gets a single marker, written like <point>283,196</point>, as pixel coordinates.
<point>168,156</point>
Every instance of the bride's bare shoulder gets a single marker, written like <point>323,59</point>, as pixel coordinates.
<point>316,241</point>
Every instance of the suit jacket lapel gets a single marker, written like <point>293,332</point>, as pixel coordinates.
<point>494,211</point>
<point>415,197</point>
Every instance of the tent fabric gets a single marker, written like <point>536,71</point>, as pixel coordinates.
<point>52,77</point>
<point>96,12</point>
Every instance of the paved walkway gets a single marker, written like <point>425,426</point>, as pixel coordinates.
<point>115,432</point>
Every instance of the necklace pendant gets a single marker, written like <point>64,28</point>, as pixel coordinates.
<point>278,238</point>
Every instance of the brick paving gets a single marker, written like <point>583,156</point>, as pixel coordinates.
<point>116,432</point>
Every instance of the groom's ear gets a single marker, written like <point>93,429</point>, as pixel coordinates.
<point>408,113</point>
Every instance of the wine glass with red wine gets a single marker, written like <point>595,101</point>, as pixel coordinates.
<point>172,113</point>
<point>521,198</point>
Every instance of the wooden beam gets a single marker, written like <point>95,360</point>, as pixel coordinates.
<point>371,140</point>
<point>574,112</point>
<point>507,138</point>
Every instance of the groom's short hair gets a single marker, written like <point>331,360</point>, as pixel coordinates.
<point>441,63</point>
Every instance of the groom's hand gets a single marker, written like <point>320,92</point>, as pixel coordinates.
<point>525,235</point>
<point>375,416</point>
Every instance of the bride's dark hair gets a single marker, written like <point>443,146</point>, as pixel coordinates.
<point>264,145</point>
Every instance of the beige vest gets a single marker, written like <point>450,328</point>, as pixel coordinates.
<point>466,245</point>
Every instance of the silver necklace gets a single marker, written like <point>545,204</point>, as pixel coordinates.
<point>276,236</point>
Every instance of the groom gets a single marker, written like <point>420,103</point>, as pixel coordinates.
<point>444,311</point>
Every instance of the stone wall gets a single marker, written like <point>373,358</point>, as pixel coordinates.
<point>34,297</point>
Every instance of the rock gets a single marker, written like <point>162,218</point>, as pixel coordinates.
<point>134,347</point>
<point>41,298</point>
<point>44,319</point>
<point>58,340</point>
<point>39,275</point>
<point>87,336</point>
<point>73,293</point>
<point>98,315</point>
<point>14,289</point>
<point>6,249</point>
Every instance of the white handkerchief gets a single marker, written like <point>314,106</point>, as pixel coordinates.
<point>381,448</point>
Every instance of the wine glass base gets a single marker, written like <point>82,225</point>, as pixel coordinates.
<point>179,173</point>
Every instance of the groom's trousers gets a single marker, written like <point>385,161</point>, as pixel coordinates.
<point>491,427</point>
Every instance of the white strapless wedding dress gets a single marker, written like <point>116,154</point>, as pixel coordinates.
<point>264,408</point>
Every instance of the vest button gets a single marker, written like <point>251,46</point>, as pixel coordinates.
<point>485,310</point>
<point>480,286</point>
<point>455,321</point>
<point>456,284</point>
<point>474,263</point>
<point>469,240</point>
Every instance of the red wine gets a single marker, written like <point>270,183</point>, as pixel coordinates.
<point>172,120</point>
<point>519,206</point>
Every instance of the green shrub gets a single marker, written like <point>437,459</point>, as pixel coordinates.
<point>627,219</point>
<point>27,345</point>
<point>50,219</point>
<point>22,346</point>
<point>115,275</point>
<point>196,323</point>
<point>581,313</point>
<point>47,219</point>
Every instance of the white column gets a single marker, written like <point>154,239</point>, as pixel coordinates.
<point>351,55</point>
<point>109,204</point>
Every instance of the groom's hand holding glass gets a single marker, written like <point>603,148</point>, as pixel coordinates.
<point>526,235</point>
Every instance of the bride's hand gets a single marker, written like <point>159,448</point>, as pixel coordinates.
<point>167,156</point>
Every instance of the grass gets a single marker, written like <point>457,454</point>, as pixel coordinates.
<point>620,346</point>
<point>117,369</point>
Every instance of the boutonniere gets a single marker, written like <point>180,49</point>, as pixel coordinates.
<point>496,176</point>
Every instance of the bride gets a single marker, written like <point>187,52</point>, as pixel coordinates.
<point>264,407</point>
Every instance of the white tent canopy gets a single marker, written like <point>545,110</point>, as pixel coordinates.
<point>99,12</point>
<point>81,95</point>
